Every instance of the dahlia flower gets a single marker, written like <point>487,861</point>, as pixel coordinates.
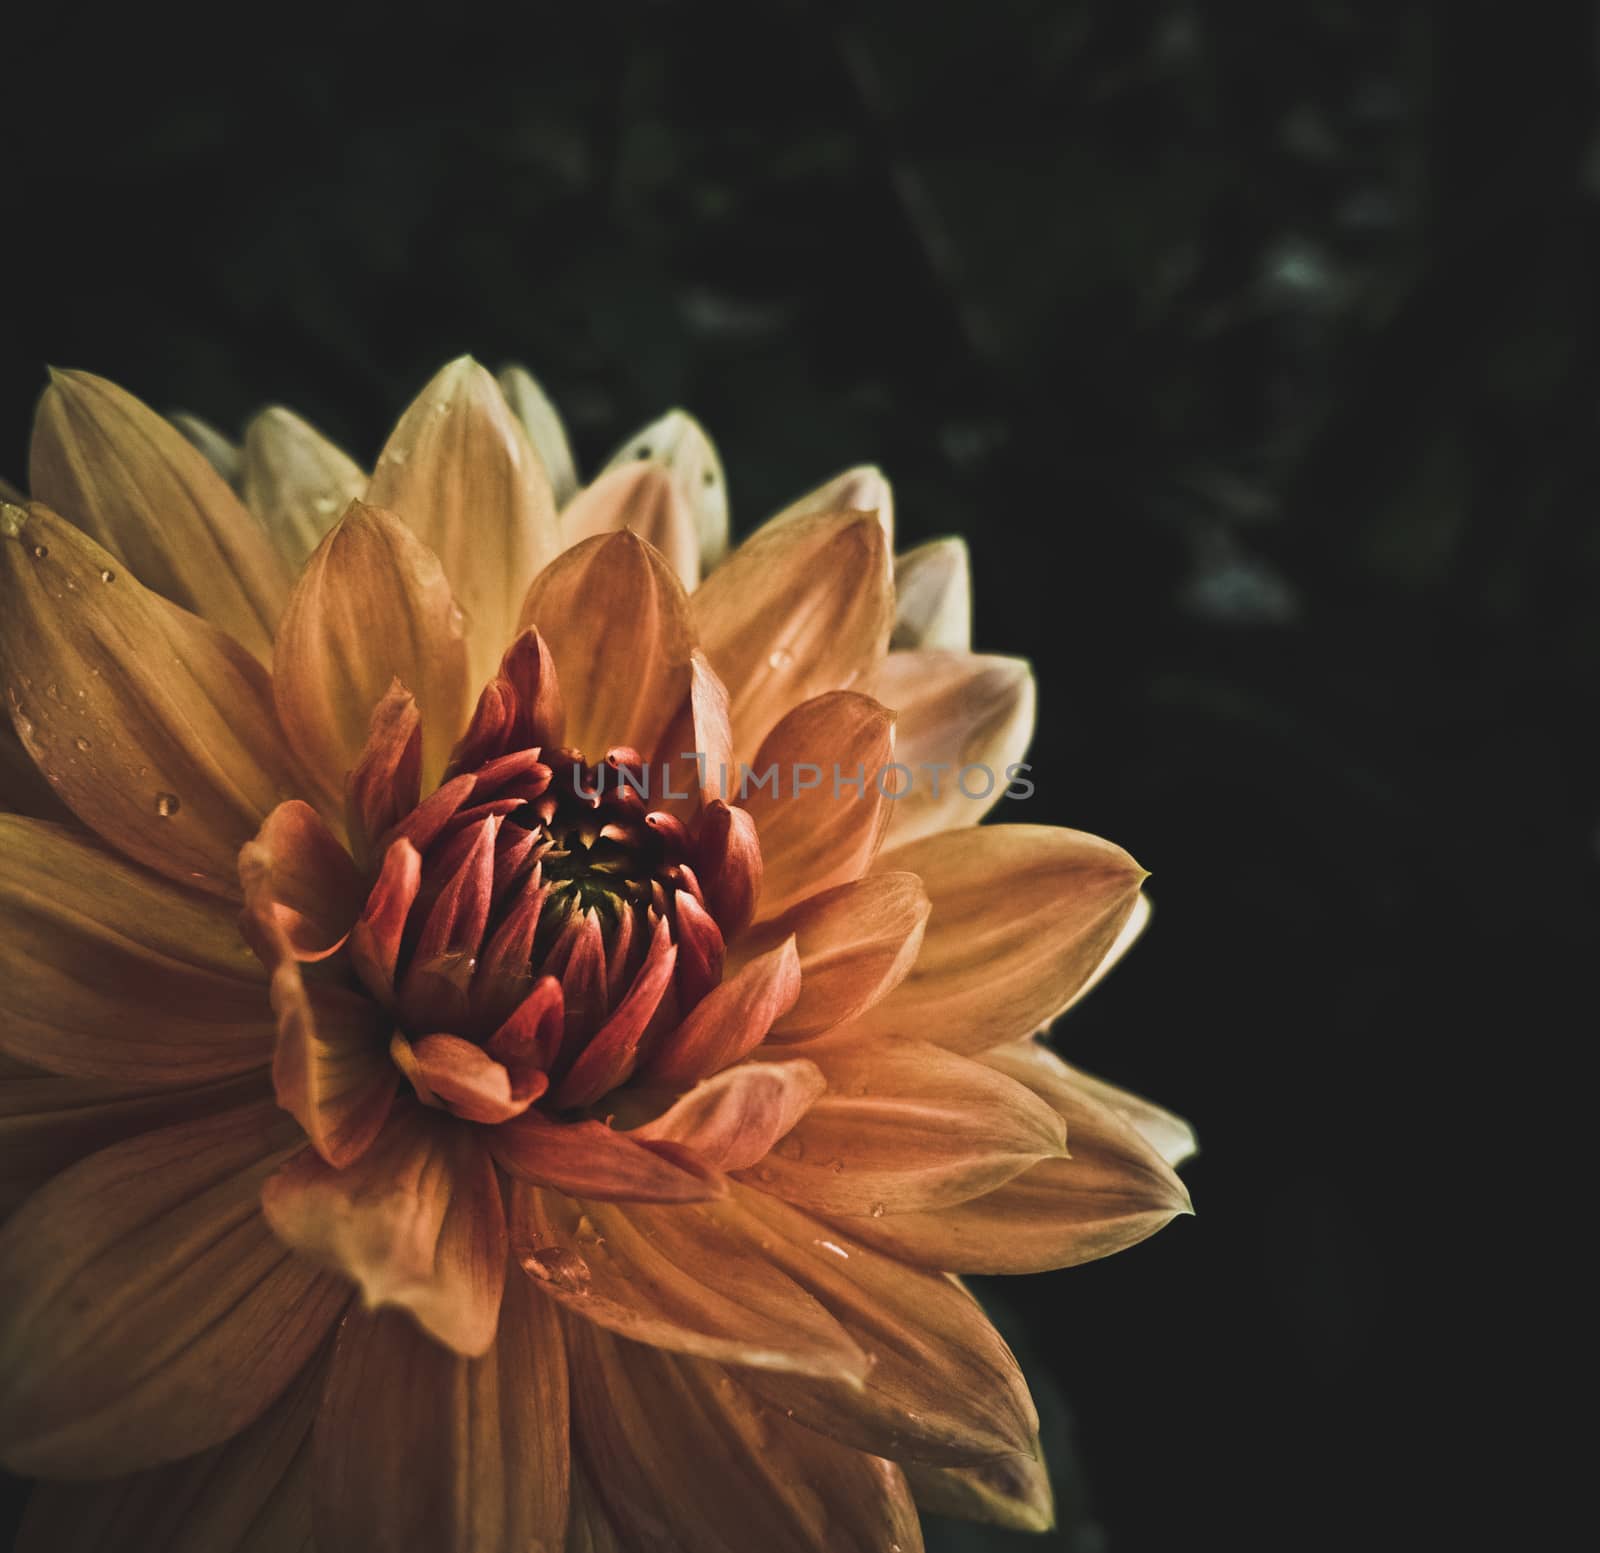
<point>445,1105</point>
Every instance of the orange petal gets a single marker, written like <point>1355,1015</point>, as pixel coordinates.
<point>150,1313</point>
<point>1137,921</point>
<point>386,783</point>
<point>817,826</point>
<point>591,1160</point>
<point>643,498</point>
<point>906,1126</point>
<point>857,943</point>
<point>295,481</point>
<point>416,1222</point>
<point>933,597</point>
<point>311,887</point>
<point>372,605</point>
<point>945,1386</point>
<point>729,1473</point>
<point>801,607</point>
<point>419,1448</point>
<point>962,723</point>
<point>520,708</point>
<point>540,420</point>
<point>693,765</point>
<point>617,621</point>
<point>460,470</point>
<point>155,728</point>
<point>728,865</point>
<point>677,445</point>
<point>730,1021</point>
<point>1022,915</point>
<point>133,483</point>
<point>1010,1491</point>
<point>734,1118</point>
<point>174,998</point>
<point>676,1277</point>
<point>466,1081</point>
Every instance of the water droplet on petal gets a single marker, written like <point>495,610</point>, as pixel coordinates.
<point>167,805</point>
<point>560,1267</point>
<point>877,1210</point>
<point>40,552</point>
<point>395,455</point>
<point>107,575</point>
<point>326,502</point>
<point>82,743</point>
<point>780,659</point>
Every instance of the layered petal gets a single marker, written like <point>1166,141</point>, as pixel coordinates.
<point>23,788</point>
<point>591,1160</point>
<point>216,447</point>
<point>1009,1491</point>
<point>315,893</point>
<point>643,498</point>
<point>149,1312</point>
<point>677,446</point>
<point>732,1120</point>
<point>933,597</point>
<point>541,421</point>
<point>1170,1136</point>
<point>295,481</point>
<point>980,981</point>
<point>154,727</point>
<point>133,483</point>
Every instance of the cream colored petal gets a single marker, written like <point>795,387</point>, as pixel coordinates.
<point>460,470</point>
<point>733,1119</point>
<point>416,1221</point>
<point>174,996</point>
<point>861,489</point>
<point>644,499</point>
<point>215,447</point>
<point>417,1448</point>
<point>295,481</point>
<point>933,597</point>
<point>371,606</point>
<point>676,1277</point>
<point>150,1313</point>
<point>822,811</point>
<point>133,483</point>
<point>1132,929</point>
<point>251,1494</point>
<point>906,1126</point>
<point>962,722</point>
<point>1010,1491</point>
<point>798,609</point>
<point>540,419</point>
<point>730,1474</point>
<point>677,444</point>
<point>155,728</point>
<point>1022,915</point>
<point>617,623</point>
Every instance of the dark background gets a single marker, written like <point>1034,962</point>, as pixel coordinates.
<point>1252,348</point>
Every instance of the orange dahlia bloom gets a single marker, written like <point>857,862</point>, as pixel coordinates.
<point>446,1106</point>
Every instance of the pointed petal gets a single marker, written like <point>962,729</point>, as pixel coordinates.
<point>676,1277</point>
<point>417,1447</point>
<point>591,1160</point>
<point>798,609</point>
<point>217,449</point>
<point>861,489</point>
<point>1022,915</point>
<point>728,865</point>
<point>678,445</point>
<point>733,1119</point>
<point>416,1222</point>
<point>1138,920</point>
<point>295,481</point>
<point>693,762</point>
<point>531,405</point>
<point>644,499</point>
<point>906,1126</point>
<point>962,721</point>
<point>617,622</point>
<point>155,728</point>
<point>371,606</point>
<point>133,483</point>
<point>466,1081</point>
<point>933,597</point>
<point>818,828</point>
<point>149,1312</point>
<point>1170,1136</point>
<point>1010,1491</point>
<point>311,888</point>
<point>520,708</point>
<point>386,782</point>
<point>460,470</point>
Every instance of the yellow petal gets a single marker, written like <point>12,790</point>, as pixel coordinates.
<point>677,444</point>
<point>531,405</point>
<point>150,1312</point>
<point>732,1119</point>
<point>295,481</point>
<point>962,722</point>
<point>460,470</point>
<point>644,499</point>
<point>906,1126</point>
<point>132,482</point>
<point>1022,915</point>
<point>371,606</point>
<point>1010,1491</point>
<point>416,1221</point>
<point>155,728</point>
<point>215,447</point>
<point>419,1448</point>
<point>933,597</point>
<point>799,608</point>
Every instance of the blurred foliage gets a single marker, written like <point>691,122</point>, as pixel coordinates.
<point>1252,347</point>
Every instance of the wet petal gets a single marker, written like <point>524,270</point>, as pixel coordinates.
<point>933,597</point>
<point>677,445</point>
<point>295,481</point>
<point>539,418</point>
<point>733,1119</point>
<point>591,1160</point>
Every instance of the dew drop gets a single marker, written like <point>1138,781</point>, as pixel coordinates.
<point>876,1210</point>
<point>326,502</point>
<point>837,1167</point>
<point>167,805</point>
<point>558,1266</point>
<point>82,743</point>
<point>107,575</point>
<point>642,451</point>
<point>40,552</point>
<point>780,659</point>
<point>708,478</point>
<point>395,455</point>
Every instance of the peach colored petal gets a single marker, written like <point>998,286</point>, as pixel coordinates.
<point>1022,915</point>
<point>728,1474</point>
<point>133,483</point>
<point>818,828</point>
<point>419,1448</point>
<point>386,782</point>
<point>733,1119</point>
<point>154,727</point>
<point>251,1494</point>
<point>460,470</point>
<point>617,621</point>
<point>692,766</point>
<point>643,498</point>
<point>906,1126</point>
<point>1010,1491</point>
<point>944,1386</point>
<point>150,1313</point>
<point>728,865</point>
<point>676,1277</point>
<point>466,1080</point>
<point>800,608</point>
<point>677,445</point>
<point>1170,1136</point>
<point>1131,930</point>
<point>857,942</point>
<point>591,1160</point>
<point>312,889</point>
<point>375,939</point>
<point>372,605</point>
<point>962,722</point>
<point>174,998</point>
<point>416,1222</point>
<point>295,481</point>
<point>933,597</point>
